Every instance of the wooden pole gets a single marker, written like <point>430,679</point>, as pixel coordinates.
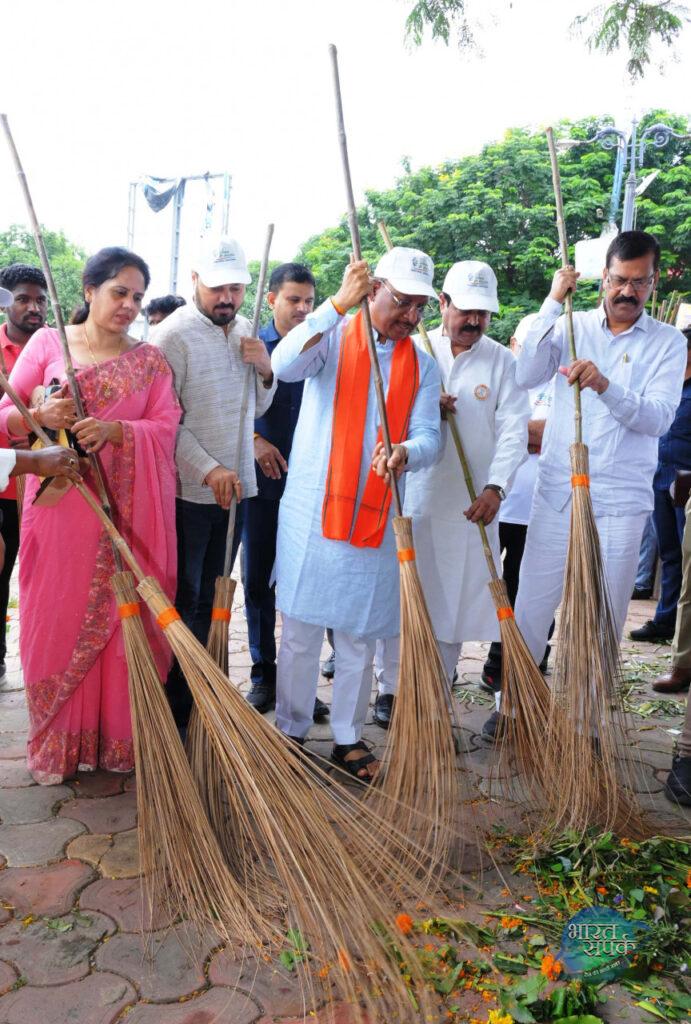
<point>249,378</point>
<point>564,249</point>
<point>357,252</point>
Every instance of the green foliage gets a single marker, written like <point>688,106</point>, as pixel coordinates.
<point>250,295</point>
<point>498,206</point>
<point>633,25</point>
<point>66,260</point>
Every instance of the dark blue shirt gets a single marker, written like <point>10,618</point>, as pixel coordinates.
<point>278,423</point>
<point>674,450</point>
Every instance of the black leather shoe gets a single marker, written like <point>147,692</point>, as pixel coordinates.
<point>321,710</point>
<point>262,697</point>
<point>490,680</point>
<point>383,710</point>
<point>653,631</point>
<point>329,666</point>
<point>494,728</point>
<point>642,593</point>
<point>678,785</point>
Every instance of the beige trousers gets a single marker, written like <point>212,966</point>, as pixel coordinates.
<point>681,649</point>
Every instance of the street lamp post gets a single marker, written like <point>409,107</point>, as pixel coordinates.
<point>609,138</point>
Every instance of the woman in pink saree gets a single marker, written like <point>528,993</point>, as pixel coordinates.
<point>71,644</point>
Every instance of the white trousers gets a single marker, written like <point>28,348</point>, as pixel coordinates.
<point>387,658</point>
<point>544,560</point>
<point>297,675</point>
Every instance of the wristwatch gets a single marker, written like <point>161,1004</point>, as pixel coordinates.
<point>495,487</point>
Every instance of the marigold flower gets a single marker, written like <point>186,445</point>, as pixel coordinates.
<point>404,923</point>
<point>688,879</point>
<point>487,996</point>
<point>651,889</point>
<point>497,1017</point>
<point>509,923</point>
<point>324,971</point>
<point>550,967</point>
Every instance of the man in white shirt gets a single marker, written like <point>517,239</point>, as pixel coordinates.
<point>212,357</point>
<point>479,389</point>
<point>630,369</point>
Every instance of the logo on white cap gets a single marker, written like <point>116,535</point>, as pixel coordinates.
<point>409,271</point>
<point>223,263</point>
<point>472,285</point>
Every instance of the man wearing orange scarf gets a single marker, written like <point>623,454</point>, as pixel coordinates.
<point>336,561</point>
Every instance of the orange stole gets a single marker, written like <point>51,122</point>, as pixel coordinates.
<point>348,431</point>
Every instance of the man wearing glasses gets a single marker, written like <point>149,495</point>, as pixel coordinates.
<point>630,369</point>
<point>335,515</point>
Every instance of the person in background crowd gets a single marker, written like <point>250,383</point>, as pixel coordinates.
<point>678,783</point>
<point>291,298</point>
<point>71,645</point>
<point>674,453</point>
<point>479,390</point>
<point>24,303</point>
<point>514,513</point>
<point>630,369</point>
<point>647,563</point>
<point>212,356</point>
<point>335,563</point>
<point>158,309</point>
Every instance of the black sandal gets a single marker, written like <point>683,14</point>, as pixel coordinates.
<point>355,765</point>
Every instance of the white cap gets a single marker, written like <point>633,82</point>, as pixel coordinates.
<point>223,263</point>
<point>472,285</point>
<point>524,326</point>
<point>6,298</point>
<point>410,271</point>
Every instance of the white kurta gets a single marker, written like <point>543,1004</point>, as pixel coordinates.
<point>492,415</point>
<point>329,582</point>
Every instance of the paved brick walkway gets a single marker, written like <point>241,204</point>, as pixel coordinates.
<point>71,950</point>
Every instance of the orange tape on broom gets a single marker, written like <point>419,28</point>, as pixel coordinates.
<point>167,616</point>
<point>126,611</point>
<point>504,613</point>
<point>220,614</point>
<point>406,555</point>
<point>580,480</point>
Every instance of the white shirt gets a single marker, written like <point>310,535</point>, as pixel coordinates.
<point>645,368</point>
<point>8,460</point>
<point>516,508</point>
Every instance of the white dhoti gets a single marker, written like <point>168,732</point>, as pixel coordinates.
<point>544,562</point>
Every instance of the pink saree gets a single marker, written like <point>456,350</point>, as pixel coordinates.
<point>71,645</point>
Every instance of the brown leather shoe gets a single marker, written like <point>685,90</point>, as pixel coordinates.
<point>674,681</point>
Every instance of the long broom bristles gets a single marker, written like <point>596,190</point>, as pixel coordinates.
<point>183,865</point>
<point>338,882</point>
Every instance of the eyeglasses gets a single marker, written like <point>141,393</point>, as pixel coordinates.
<point>637,283</point>
<point>406,305</point>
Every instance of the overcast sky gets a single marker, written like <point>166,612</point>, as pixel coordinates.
<point>100,93</point>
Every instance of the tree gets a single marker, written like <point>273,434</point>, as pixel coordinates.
<point>247,310</point>
<point>498,207</point>
<point>66,260</point>
<point>633,25</point>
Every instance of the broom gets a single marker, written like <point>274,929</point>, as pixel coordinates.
<point>200,750</point>
<point>338,884</point>
<point>525,694</point>
<point>587,669</point>
<point>423,790</point>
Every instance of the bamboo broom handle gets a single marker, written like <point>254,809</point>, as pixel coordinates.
<point>653,303</point>
<point>57,311</point>
<point>564,249</point>
<point>670,307</point>
<point>357,252</point>
<point>455,434</point>
<point>249,376</point>
<point>117,540</point>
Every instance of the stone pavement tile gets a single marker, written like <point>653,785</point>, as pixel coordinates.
<point>130,783</point>
<point>35,803</point>
<point>5,915</point>
<point>12,745</point>
<point>105,815</point>
<point>123,900</point>
<point>46,955</point>
<point>89,848</point>
<point>483,759</point>
<point>505,791</point>
<point>98,783</point>
<point>277,991</point>
<point>15,773</point>
<point>97,999</point>
<point>25,845</point>
<point>216,1006</point>
<point>14,719</point>
<point>8,976</point>
<point>341,1013</point>
<point>122,859</point>
<point>163,965</point>
<point>45,890</point>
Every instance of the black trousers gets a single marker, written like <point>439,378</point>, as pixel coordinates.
<point>259,531</point>
<point>10,535</point>
<point>512,544</point>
